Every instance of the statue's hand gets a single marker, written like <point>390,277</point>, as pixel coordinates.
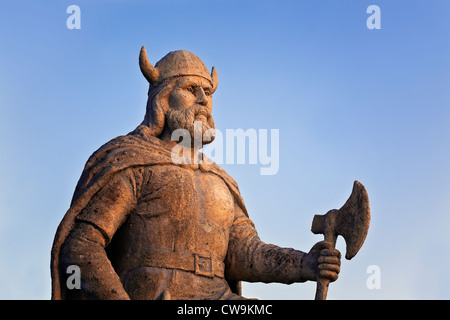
<point>323,261</point>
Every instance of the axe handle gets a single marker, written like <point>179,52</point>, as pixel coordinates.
<point>322,283</point>
<point>322,289</point>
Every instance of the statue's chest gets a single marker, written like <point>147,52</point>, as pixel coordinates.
<point>186,195</point>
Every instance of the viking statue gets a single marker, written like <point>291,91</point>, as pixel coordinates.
<point>143,227</point>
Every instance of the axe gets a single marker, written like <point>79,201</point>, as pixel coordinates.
<point>351,222</point>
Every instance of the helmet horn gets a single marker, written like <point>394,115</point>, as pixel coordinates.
<point>150,72</point>
<point>214,78</point>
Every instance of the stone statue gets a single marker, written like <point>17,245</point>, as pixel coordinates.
<point>143,227</point>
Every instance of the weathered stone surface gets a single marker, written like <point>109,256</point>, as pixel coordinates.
<point>143,226</point>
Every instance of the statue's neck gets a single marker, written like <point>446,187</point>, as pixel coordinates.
<point>190,156</point>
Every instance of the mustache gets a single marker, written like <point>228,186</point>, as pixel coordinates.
<point>196,109</point>
<point>187,116</point>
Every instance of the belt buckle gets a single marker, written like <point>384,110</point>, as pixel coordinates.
<point>203,265</point>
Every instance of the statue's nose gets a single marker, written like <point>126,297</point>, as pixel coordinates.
<point>202,99</point>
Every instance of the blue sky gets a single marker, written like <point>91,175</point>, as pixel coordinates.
<point>349,103</point>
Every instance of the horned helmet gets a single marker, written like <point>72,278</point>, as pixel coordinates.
<point>176,64</point>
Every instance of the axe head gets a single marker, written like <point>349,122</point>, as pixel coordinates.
<point>351,221</point>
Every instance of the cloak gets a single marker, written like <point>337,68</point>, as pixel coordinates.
<point>138,148</point>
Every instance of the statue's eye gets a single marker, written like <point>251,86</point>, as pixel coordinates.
<point>190,89</point>
<point>207,92</point>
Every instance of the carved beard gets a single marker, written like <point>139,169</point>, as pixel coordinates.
<point>185,120</point>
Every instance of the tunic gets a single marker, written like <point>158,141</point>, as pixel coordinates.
<point>151,229</point>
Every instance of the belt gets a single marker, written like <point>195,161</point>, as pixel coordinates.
<point>201,264</point>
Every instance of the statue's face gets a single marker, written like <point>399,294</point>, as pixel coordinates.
<point>191,101</point>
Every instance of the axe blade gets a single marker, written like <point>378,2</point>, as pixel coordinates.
<point>353,220</point>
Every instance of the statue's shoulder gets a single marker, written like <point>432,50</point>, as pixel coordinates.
<point>136,147</point>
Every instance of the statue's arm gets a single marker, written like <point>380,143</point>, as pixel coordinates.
<point>250,259</point>
<point>93,230</point>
